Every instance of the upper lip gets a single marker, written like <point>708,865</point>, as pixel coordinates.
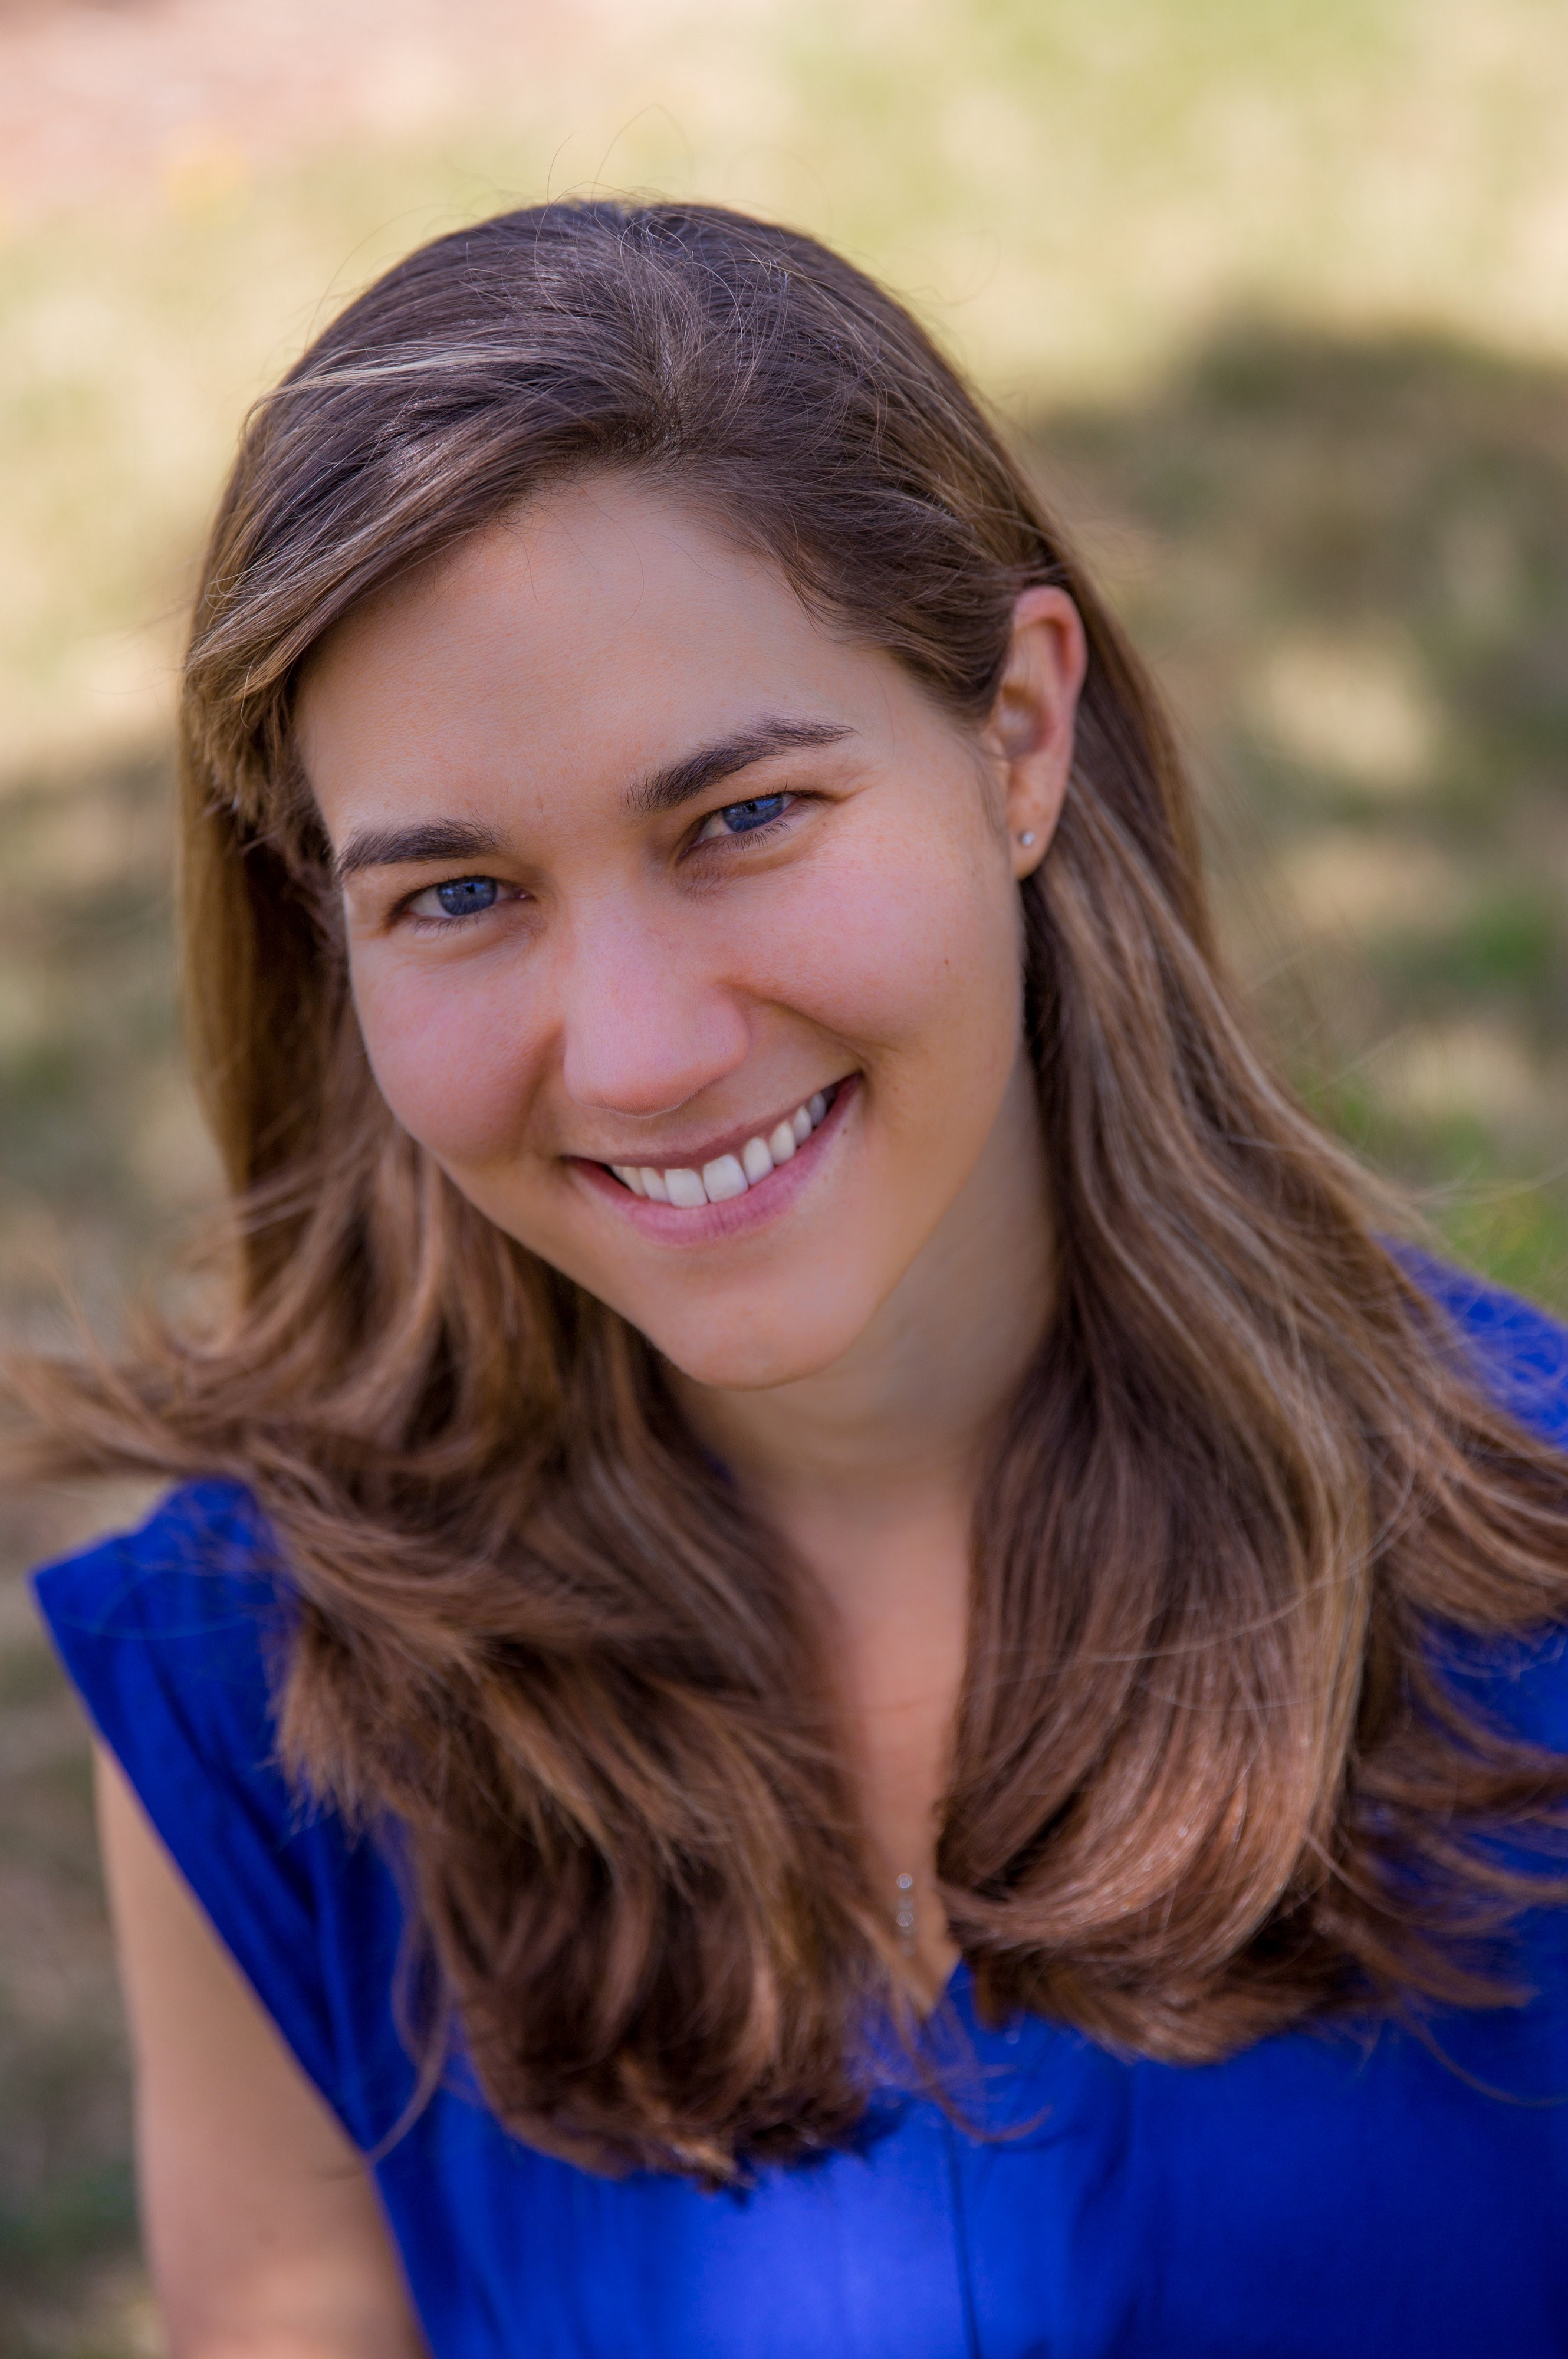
<point>683,1158</point>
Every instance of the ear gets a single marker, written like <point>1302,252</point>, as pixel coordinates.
<point>1029,735</point>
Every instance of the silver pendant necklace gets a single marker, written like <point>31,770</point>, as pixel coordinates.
<point>905,1919</point>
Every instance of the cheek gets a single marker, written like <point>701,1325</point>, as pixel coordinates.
<point>909,949</point>
<point>905,951</point>
<point>451,1055</point>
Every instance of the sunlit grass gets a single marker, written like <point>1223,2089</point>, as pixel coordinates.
<point>1072,189</point>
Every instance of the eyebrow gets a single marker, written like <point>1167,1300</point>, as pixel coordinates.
<point>684,781</point>
<point>439,839</point>
<point>660,790</point>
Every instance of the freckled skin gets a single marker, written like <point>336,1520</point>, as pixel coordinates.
<point>634,989</point>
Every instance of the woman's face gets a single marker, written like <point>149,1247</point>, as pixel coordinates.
<point>685,934</point>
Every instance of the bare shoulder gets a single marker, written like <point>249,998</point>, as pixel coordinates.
<point>264,2231</point>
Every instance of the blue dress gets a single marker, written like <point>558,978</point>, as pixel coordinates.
<point>1326,2194</point>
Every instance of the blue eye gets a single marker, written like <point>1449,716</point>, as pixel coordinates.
<point>740,818</point>
<point>466,895</point>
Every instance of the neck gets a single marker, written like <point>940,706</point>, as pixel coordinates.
<point>907,1413</point>
<point>870,1467</point>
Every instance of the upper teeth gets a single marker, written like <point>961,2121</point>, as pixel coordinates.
<point>727,1175</point>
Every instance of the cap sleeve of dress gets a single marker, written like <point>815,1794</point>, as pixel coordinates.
<point>1518,1353</point>
<point>1519,1356</point>
<point>172,1636</point>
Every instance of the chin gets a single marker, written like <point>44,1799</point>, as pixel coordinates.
<point>755,1351</point>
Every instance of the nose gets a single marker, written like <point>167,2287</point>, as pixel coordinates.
<point>646,1020</point>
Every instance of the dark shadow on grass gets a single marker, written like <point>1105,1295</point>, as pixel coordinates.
<point>1349,559</point>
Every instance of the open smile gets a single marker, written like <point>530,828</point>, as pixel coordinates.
<point>725,1176</point>
<point>742,1182</point>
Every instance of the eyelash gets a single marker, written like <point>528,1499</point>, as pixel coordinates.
<point>449,923</point>
<point>789,798</point>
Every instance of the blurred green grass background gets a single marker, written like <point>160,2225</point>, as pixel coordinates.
<point>1277,294</point>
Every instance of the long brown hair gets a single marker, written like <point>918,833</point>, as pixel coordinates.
<point>1207,1776</point>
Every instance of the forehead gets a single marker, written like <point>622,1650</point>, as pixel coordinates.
<point>604,626</point>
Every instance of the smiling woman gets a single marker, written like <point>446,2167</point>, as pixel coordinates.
<point>836,1596</point>
<point>798,1014</point>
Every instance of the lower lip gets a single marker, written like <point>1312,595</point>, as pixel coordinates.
<point>707,1225</point>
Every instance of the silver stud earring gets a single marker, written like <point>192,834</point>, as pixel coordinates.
<point>1027,838</point>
